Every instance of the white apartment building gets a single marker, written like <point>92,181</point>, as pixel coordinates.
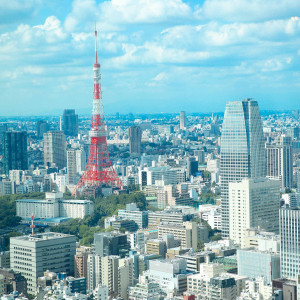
<point>169,274</point>
<point>111,271</point>
<point>280,161</point>
<point>213,218</point>
<point>253,203</point>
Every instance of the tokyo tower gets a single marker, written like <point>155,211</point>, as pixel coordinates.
<point>99,170</point>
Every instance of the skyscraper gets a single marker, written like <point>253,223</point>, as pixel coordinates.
<point>182,120</point>
<point>289,224</point>
<point>253,203</point>
<point>135,139</point>
<point>242,149</point>
<point>14,151</point>
<point>70,122</point>
<point>55,149</point>
<point>42,127</point>
<point>76,162</point>
<point>71,166</point>
<point>280,161</point>
<point>3,128</point>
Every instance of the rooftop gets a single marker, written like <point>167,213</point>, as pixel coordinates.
<point>42,236</point>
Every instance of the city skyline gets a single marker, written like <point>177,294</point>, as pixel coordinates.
<point>154,55</point>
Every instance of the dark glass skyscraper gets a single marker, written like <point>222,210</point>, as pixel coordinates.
<point>135,139</point>
<point>42,127</point>
<point>70,122</point>
<point>3,128</point>
<point>14,151</point>
<point>242,149</point>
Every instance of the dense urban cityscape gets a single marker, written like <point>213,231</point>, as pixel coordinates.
<point>150,206</point>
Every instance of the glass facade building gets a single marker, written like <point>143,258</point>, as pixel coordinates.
<point>289,227</point>
<point>14,151</point>
<point>70,124</point>
<point>242,149</point>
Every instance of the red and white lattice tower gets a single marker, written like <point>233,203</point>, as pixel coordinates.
<point>99,170</point>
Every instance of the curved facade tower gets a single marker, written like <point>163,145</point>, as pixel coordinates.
<point>99,170</point>
<point>242,149</point>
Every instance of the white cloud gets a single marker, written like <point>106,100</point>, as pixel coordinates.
<point>214,34</point>
<point>159,80</point>
<point>144,11</point>
<point>32,38</point>
<point>153,53</point>
<point>112,15</point>
<point>248,10</point>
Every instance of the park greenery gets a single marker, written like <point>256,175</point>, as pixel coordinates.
<point>84,229</point>
<point>8,216</point>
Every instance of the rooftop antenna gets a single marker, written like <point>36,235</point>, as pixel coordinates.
<point>32,226</point>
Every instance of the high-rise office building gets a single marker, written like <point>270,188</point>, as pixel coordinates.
<point>242,149</point>
<point>42,127</point>
<point>71,166</point>
<point>280,161</point>
<point>135,139</point>
<point>3,128</point>
<point>76,162</point>
<point>112,271</point>
<point>182,120</point>
<point>253,203</point>
<point>70,122</point>
<point>289,224</point>
<point>14,151</point>
<point>80,160</point>
<point>34,254</point>
<point>55,149</point>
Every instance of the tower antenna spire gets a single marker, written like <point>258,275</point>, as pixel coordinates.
<point>96,52</point>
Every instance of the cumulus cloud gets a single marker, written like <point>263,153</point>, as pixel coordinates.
<point>154,53</point>
<point>115,13</point>
<point>32,39</point>
<point>144,11</point>
<point>215,34</point>
<point>248,10</point>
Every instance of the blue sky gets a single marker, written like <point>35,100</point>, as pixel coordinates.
<point>155,55</point>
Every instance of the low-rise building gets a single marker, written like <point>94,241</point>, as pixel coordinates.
<point>54,206</point>
<point>254,264</point>
<point>133,213</point>
<point>187,233</point>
